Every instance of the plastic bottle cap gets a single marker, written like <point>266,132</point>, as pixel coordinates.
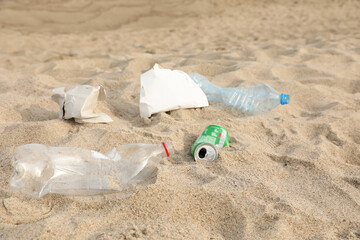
<point>284,99</point>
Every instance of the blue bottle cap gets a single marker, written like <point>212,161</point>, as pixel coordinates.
<point>284,99</point>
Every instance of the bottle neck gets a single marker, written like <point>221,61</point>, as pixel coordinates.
<point>166,149</point>
<point>162,150</point>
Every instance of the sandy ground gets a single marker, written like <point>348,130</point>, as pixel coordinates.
<point>293,173</point>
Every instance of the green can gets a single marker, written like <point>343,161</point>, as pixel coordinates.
<point>204,148</point>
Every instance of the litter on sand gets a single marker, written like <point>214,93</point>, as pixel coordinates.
<point>164,90</point>
<point>213,137</point>
<point>79,103</point>
<point>41,169</point>
<point>250,99</point>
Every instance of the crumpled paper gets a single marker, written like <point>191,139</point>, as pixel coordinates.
<point>164,90</point>
<point>79,103</point>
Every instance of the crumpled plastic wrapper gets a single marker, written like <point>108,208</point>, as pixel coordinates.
<point>79,103</point>
<point>164,90</point>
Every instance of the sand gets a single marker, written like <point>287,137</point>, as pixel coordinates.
<point>293,173</point>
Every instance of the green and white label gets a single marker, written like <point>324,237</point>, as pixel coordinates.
<point>214,135</point>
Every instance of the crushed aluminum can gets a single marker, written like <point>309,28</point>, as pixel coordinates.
<point>213,137</point>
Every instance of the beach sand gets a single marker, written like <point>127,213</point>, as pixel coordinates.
<point>293,173</point>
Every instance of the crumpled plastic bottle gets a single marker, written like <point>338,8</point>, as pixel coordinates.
<point>40,169</point>
<point>252,100</point>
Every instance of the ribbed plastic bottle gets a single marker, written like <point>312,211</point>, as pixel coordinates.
<point>252,100</point>
<point>41,169</point>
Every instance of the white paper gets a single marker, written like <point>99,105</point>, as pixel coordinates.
<point>164,90</point>
<point>79,103</point>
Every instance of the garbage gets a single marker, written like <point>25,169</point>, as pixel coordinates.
<point>204,148</point>
<point>41,169</point>
<point>252,100</point>
<point>79,103</point>
<point>164,90</point>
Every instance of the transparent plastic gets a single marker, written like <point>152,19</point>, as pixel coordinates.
<point>41,169</point>
<point>252,100</point>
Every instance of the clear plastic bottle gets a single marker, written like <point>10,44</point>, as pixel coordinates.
<point>252,100</point>
<point>41,169</point>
